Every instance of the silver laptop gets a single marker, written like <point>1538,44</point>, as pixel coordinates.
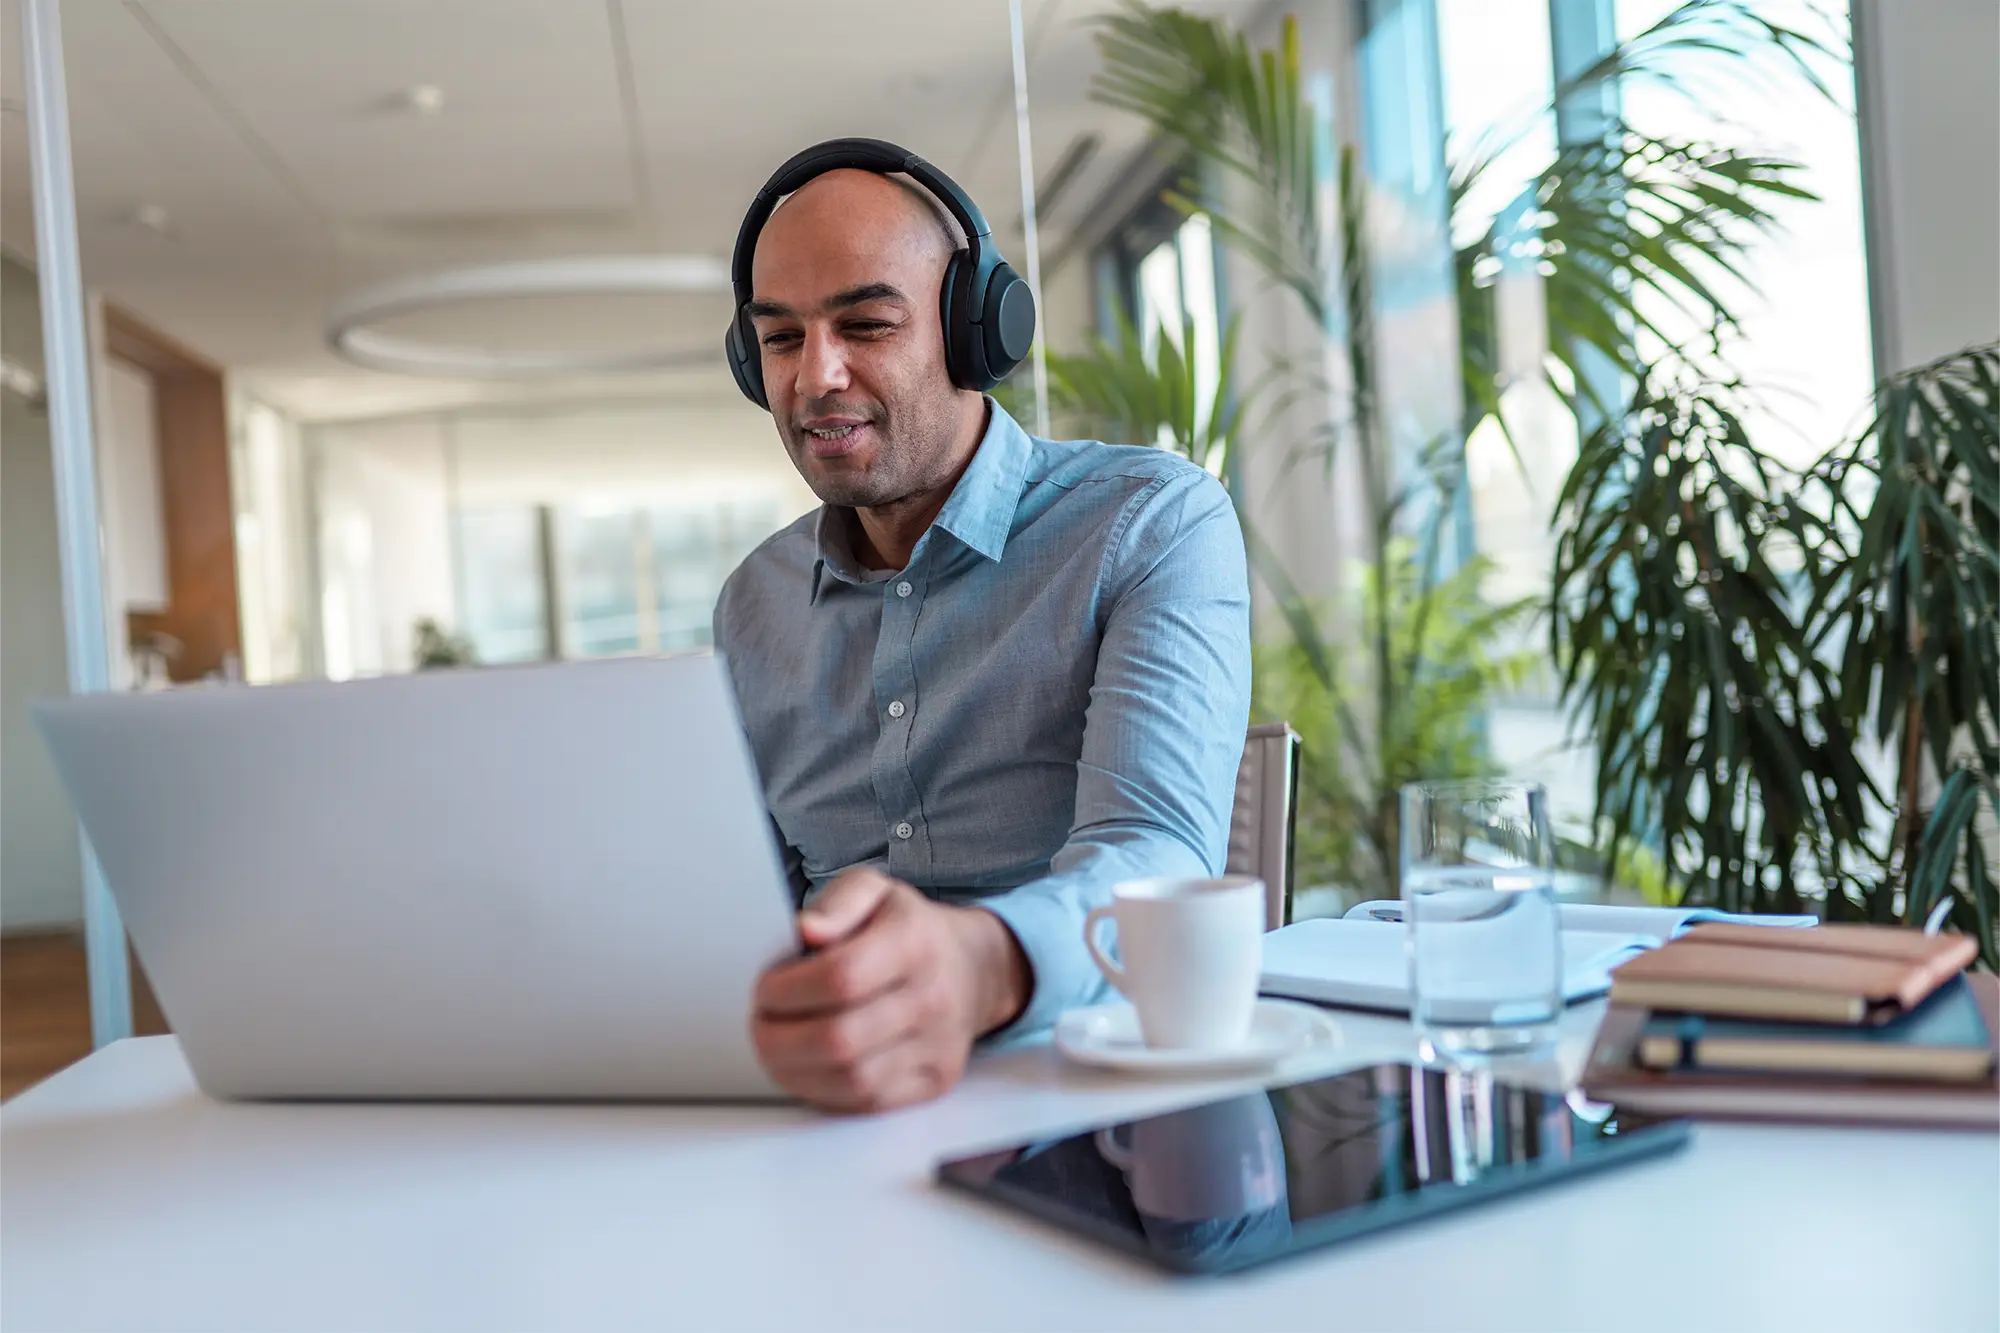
<point>547,881</point>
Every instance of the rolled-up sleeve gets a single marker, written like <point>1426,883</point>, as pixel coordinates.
<point>1163,736</point>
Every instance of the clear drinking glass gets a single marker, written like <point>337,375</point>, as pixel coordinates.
<point>1480,910</point>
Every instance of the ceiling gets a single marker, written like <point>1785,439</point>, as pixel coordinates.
<point>276,140</point>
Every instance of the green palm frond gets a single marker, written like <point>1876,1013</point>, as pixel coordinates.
<point>1686,653</point>
<point>1214,98</point>
<point>1675,49</point>
<point>1908,600</point>
<point>1449,644</point>
<point>1690,49</point>
<point>1122,395</point>
<point>1618,231</point>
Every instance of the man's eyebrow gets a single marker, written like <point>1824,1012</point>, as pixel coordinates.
<point>853,296</point>
<point>871,291</point>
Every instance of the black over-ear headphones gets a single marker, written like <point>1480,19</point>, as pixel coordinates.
<point>988,311</point>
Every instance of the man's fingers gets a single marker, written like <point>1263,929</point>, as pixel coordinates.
<point>846,1087</point>
<point>843,906</point>
<point>844,1038</point>
<point>894,1077</point>
<point>882,1011</point>
<point>845,976</point>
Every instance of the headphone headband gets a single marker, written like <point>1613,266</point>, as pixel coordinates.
<point>877,155</point>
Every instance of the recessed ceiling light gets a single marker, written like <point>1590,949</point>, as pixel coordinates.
<point>426,99</point>
<point>153,217</point>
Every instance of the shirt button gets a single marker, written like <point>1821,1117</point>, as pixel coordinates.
<point>904,589</point>
<point>896,708</point>
<point>903,830</point>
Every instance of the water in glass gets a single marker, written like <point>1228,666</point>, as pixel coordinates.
<point>1479,902</point>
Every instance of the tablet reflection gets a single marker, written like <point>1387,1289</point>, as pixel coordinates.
<point>1464,1124</point>
<point>1208,1183</point>
<point>1204,1188</point>
<point>1375,1133</point>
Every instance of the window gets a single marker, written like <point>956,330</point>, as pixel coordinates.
<point>693,551</point>
<point>600,556</point>
<point>267,468</point>
<point>646,580</point>
<point>503,599</point>
<point>1804,344</point>
<point>1160,268</point>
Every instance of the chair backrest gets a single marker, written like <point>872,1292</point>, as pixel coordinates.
<point>1260,823</point>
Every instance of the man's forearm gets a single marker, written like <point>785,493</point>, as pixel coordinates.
<point>1046,915</point>
<point>996,968</point>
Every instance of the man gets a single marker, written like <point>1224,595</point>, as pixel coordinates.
<point>990,677</point>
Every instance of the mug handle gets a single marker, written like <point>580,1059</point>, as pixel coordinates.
<point>1113,973</point>
<point>1112,1150</point>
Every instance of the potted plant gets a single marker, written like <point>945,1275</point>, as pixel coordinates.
<point>1742,638</point>
<point>432,647</point>
<point>1431,650</point>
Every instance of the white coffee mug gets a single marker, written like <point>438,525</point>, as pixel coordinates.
<point>1191,951</point>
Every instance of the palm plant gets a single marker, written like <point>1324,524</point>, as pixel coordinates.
<point>1717,723</point>
<point>1619,223</point>
<point>1908,596</point>
<point>1738,635</point>
<point>1443,634</point>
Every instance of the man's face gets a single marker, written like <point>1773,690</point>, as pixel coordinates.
<point>844,289</point>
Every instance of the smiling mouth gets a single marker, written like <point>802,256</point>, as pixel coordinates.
<point>835,441</point>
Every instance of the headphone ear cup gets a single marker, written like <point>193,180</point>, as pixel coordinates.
<point>1007,324</point>
<point>745,363</point>
<point>961,336</point>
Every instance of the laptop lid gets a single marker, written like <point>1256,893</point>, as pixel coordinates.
<point>542,881</point>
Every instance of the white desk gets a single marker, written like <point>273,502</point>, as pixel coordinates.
<point>130,1201</point>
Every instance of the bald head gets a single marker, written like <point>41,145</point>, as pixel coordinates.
<point>851,188</point>
<point>879,210</point>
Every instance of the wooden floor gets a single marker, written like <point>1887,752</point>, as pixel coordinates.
<point>45,1007</point>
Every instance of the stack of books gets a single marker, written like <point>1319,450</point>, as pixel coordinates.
<point>1841,1023</point>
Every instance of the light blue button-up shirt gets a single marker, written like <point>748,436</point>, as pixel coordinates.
<point>1051,697</point>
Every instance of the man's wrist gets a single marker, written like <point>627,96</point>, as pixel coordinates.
<point>998,971</point>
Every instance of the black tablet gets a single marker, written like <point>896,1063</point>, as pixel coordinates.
<point>1262,1175</point>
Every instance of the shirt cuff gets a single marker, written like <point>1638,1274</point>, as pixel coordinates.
<point>1063,975</point>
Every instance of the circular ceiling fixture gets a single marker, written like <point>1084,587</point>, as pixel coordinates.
<point>348,332</point>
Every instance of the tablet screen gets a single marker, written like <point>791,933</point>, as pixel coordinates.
<point>1264,1174</point>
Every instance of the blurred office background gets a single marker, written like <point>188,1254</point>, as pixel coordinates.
<point>273,511</point>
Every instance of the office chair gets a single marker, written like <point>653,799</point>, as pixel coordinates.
<point>1261,820</point>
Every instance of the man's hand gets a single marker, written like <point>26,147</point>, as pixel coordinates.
<point>885,1006</point>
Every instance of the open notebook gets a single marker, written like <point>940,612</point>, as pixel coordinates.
<point>1359,960</point>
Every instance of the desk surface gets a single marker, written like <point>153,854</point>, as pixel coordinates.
<point>131,1201</point>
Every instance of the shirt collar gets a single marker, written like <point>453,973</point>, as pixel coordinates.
<point>833,543</point>
<point>979,512</point>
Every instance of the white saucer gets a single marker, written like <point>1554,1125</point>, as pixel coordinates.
<point>1107,1036</point>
